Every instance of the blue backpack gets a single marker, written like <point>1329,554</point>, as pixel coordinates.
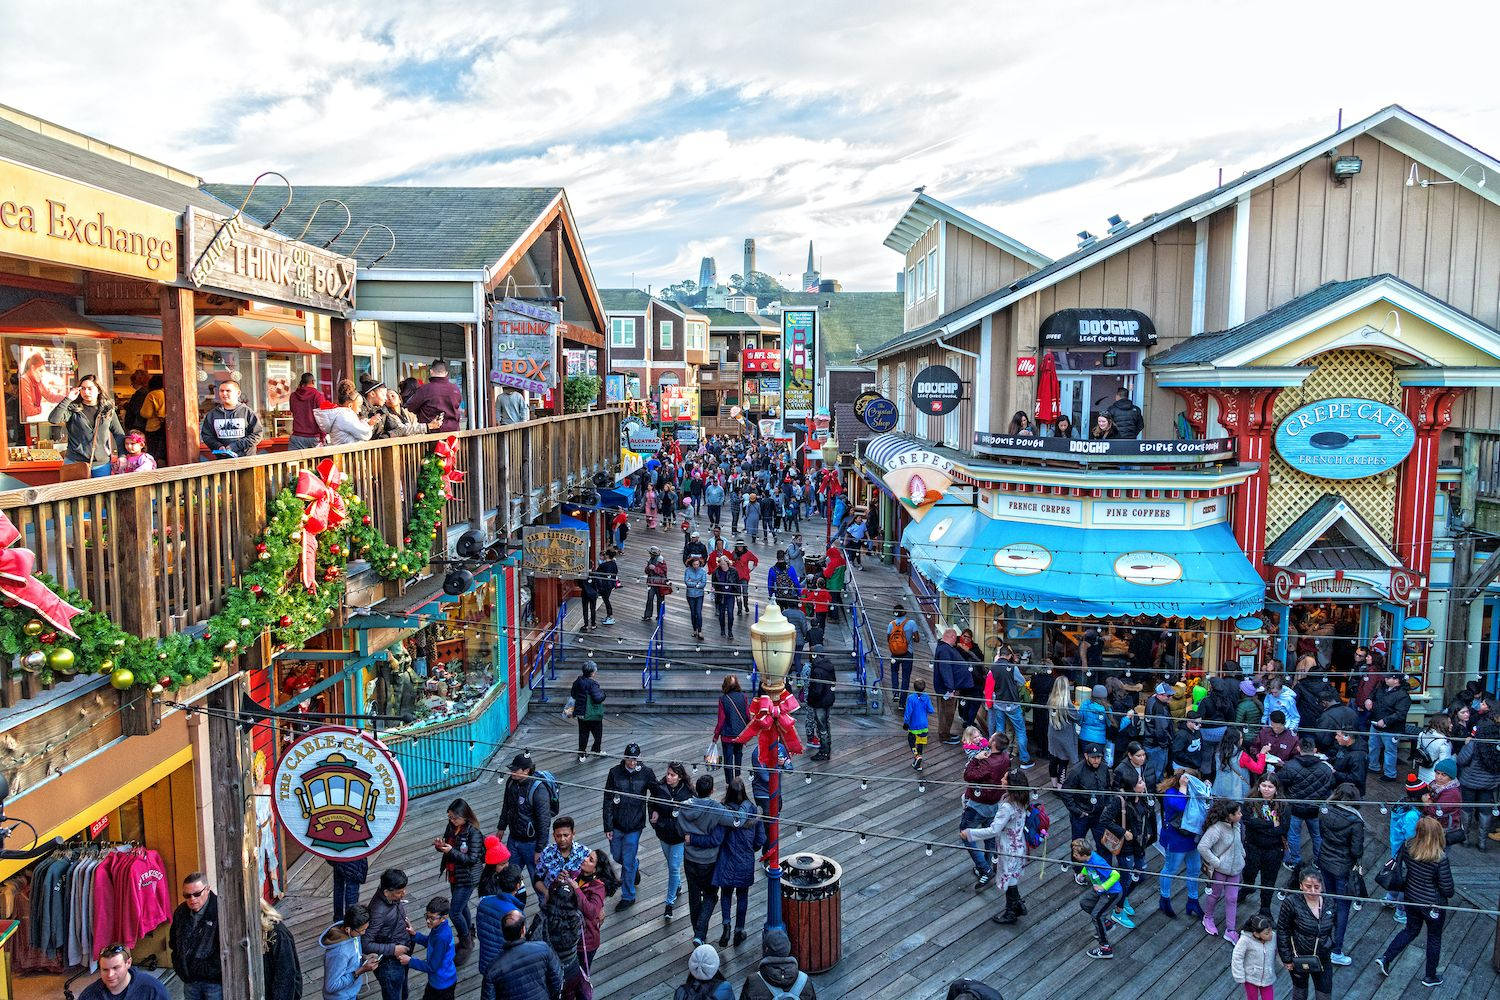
<point>1037,824</point>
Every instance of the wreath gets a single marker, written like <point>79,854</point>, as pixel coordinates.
<point>292,589</point>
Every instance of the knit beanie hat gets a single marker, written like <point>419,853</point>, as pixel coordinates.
<point>1415,784</point>
<point>1447,766</point>
<point>776,944</point>
<point>1100,692</point>
<point>703,962</point>
<point>1247,688</point>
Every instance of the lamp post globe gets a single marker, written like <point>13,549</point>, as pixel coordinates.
<point>773,643</point>
<point>831,452</point>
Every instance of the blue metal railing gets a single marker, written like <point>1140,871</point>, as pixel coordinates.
<point>545,655</point>
<point>754,667</point>
<point>652,670</point>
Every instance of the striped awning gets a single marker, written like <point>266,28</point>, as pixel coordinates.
<point>883,448</point>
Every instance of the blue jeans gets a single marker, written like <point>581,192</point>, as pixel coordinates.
<point>1188,862</point>
<point>299,441</point>
<point>458,912</point>
<point>345,894</point>
<point>982,853</point>
<point>1380,740</point>
<point>672,854</point>
<point>695,611</point>
<point>622,847</point>
<point>1338,886</point>
<point>202,991</point>
<point>900,679</point>
<point>999,714</point>
<point>391,975</point>
<point>523,854</point>
<point>1156,767</point>
<point>1294,839</point>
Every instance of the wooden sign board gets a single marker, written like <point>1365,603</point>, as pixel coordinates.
<point>555,551</point>
<point>231,255</point>
<point>105,295</point>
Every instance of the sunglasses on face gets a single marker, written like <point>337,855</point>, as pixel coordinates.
<point>193,895</point>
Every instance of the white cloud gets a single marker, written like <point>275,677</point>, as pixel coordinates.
<point>679,129</point>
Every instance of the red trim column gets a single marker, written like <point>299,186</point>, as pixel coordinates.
<point>1430,409</point>
<point>1247,414</point>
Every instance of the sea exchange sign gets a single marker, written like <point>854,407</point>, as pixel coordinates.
<point>1345,438</point>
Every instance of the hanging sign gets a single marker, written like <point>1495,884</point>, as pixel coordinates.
<point>235,256</point>
<point>762,359</point>
<point>861,401</point>
<point>1087,328</point>
<point>339,793</point>
<point>679,404</point>
<point>1026,366</point>
<point>1345,438</point>
<point>555,551</point>
<point>936,390</point>
<point>643,439</point>
<point>799,350</point>
<point>524,341</point>
<point>880,415</point>
<point>614,388</point>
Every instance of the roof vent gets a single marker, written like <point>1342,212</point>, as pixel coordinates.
<point>1086,239</point>
<point>1117,225</point>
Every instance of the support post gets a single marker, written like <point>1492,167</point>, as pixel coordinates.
<point>560,369</point>
<point>179,372</point>
<point>774,921</point>
<point>341,347</point>
<point>234,816</point>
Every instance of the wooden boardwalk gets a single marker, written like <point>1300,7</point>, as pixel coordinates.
<point>911,922</point>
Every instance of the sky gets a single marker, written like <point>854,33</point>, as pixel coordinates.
<point>679,129</point>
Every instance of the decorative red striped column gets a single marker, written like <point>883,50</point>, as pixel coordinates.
<point>1247,414</point>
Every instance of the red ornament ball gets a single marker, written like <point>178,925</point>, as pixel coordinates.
<point>286,621</point>
<point>260,546</point>
<point>406,540</point>
<point>48,637</point>
<point>421,496</point>
<point>167,682</point>
<point>366,521</point>
<point>12,604</point>
<point>333,549</point>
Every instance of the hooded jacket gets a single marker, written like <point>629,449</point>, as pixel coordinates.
<point>627,810</point>
<point>1127,417</point>
<point>777,971</point>
<point>1222,848</point>
<point>305,401</point>
<point>1343,832</point>
<point>735,867</point>
<point>438,397</point>
<point>341,959</point>
<point>342,425</point>
<point>236,431</point>
<point>697,818</point>
<point>489,924</point>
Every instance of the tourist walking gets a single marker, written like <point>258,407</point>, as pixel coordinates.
<point>1304,936</point>
<point>1266,821</point>
<point>526,813</point>
<point>348,876</point>
<point>194,940</point>
<point>625,791</point>
<point>725,583</point>
<point>1006,832</point>
<point>734,715</point>
<point>821,693</point>
<point>657,585</point>
<point>1222,848</point>
<point>915,718</point>
<point>1338,858</point>
<point>1428,887</point>
<point>461,848</point>
<point>704,980</point>
<point>280,964</point>
<point>1306,780</point>
<point>984,785</point>
<point>1100,898</point>
<point>1181,825</point>
<point>777,975</point>
<point>667,795</point>
<point>695,585</point>
<point>950,676</point>
<point>698,818</point>
<point>525,970</point>
<point>735,869</point>
<point>588,708</point>
<point>900,641</point>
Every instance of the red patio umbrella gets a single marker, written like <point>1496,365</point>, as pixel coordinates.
<point>1048,391</point>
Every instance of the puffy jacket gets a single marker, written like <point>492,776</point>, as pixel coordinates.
<point>465,854</point>
<point>1403,825</point>
<point>627,810</point>
<point>735,866</point>
<point>1391,707</point>
<point>1158,730</point>
<point>387,928</point>
<point>1309,777</point>
<point>489,926</point>
<point>1247,714</point>
<point>1265,825</point>
<point>342,425</point>
<point>1083,783</point>
<point>1479,760</point>
<point>1351,764</point>
<point>1284,702</point>
<point>1254,961</point>
<point>777,970</point>
<point>698,818</point>
<point>195,943</point>
<point>1428,883</point>
<point>1298,932</point>
<point>1127,417</point>
<point>529,970</point>
<point>821,681</point>
<point>1343,840</point>
<point>950,671</point>
<point>527,812</point>
<point>1222,848</point>
<point>588,698</point>
<point>1339,718</point>
<point>1093,722</point>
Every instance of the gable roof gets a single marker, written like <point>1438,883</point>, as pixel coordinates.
<point>437,228</point>
<point>624,300</point>
<point>1331,511</point>
<point>1403,131</point>
<point>849,318</point>
<point>925,212</point>
<point>729,319</point>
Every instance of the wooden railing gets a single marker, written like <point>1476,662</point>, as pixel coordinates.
<point>156,551</point>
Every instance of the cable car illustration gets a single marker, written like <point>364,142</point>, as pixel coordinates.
<point>338,803</point>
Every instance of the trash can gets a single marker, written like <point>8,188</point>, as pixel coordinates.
<point>810,896</point>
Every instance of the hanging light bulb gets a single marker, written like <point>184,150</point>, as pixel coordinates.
<point>921,785</point>
<point>617,800</point>
<point>1323,810</point>
<point>807,778</point>
<point>1280,895</point>
<point>864,783</point>
<point>861,837</point>
<point>799,829</point>
<point>929,850</point>
<point>1383,809</point>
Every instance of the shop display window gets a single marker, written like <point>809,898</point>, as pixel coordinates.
<point>442,672</point>
<point>38,375</point>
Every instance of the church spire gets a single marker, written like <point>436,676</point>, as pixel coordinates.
<point>810,267</point>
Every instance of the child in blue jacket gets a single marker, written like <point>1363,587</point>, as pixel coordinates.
<point>915,718</point>
<point>442,972</point>
<point>1102,896</point>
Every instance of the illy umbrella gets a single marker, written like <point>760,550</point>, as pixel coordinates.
<point>1048,391</point>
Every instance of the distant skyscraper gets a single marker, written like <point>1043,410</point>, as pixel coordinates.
<point>810,276</point>
<point>749,259</point>
<point>708,273</point>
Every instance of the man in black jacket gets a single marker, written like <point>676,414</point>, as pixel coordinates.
<point>1187,744</point>
<point>389,934</point>
<point>1084,790</point>
<point>1388,710</point>
<point>625,817</point>
<point>1306,779</point>
<point>820,693</point>
<point>1156,737</point>
<point>1349,760</point>
<point>194,941</point>
<point>1125,414</point>
<point>526,813</point>
<point>1336,715</point>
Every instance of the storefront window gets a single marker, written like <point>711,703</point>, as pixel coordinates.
<point>39,374</point>
<point>444,670</point>
<point>1088,381</point>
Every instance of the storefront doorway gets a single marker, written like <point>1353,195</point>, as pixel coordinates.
<point>1090,379</point>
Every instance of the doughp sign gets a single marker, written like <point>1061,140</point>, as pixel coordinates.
<point>339,793</point>
<point>1087,328</point>
<point>1345,438</point>
<point>936,390</point>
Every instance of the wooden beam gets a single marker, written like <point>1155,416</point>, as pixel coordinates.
<point>234,820</point>
<point>179,364</point>
<point>555,255</point>
<point>341,353</point>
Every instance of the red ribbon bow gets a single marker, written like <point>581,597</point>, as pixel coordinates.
<point>448,451</point>
<point>18,583</point>
<point>325,509</point>
<point>771,722</point>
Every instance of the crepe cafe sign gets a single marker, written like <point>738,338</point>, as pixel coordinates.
<point>58,221</point>
<point>1345,438</point>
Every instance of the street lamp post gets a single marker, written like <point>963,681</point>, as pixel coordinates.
<point>773,641</point>
<point>830,484</point>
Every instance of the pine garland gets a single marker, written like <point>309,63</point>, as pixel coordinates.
<point>270,598</point>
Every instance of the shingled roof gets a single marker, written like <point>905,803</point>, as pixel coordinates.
<point>631,300</point>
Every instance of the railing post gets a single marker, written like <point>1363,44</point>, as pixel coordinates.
<point>557,639</point>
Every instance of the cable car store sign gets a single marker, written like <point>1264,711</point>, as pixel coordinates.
<point>339,793</point>
<point>1345,438</point>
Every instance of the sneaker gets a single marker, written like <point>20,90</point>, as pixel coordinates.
<point>1338,959</point>
<point>608,621</point>
<point>1129,909</point>
<point>697,941</point>
<point>624,904</point>
<point>1288,866</point>
<point>952,741</point>
<point>918,765</point>
<point>1103,951</point>
<point>1399,916</point>
<point>667,911</point>
<point>1080,878</point>
<point>1123,919</point>
<point>985,878</point>
<point>582,759</point>
<point>1232,936</point>
<point>1380,964</point>
<point>1434,981</point>
<point>1210,928</point>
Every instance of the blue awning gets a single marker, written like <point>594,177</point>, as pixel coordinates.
<point>613,498</point>
<point>1088,572</point>
<point>564,521</point>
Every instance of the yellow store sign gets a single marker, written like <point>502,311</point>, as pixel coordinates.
<point>58,221</point>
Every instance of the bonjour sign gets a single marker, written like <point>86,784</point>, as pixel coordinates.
<point>234,256</point>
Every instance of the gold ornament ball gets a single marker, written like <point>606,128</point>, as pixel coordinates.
<point>121,679</point>
<point>244,623</point>
<point>157,689</point>
<point>62,659</point>
<point>106,666</point>
<point>34,660</point>
<point>231,646</point>
<point>264,556</point>
<point>32,628</point>
<point>120,642</point>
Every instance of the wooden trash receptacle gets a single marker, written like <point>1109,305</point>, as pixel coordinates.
<point>810,893</point>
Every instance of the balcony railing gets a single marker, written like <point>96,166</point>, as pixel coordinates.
<point>156,551</point>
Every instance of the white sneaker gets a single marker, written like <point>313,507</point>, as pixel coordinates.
<point>1338,959</point>
<point>607,621</point>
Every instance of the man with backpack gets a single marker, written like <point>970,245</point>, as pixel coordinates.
<point>530,803</point>
<point>782,583</point>
<point>777,977</point>
<point>900,636</point>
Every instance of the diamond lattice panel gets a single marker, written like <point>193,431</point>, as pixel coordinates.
<point>1362,374</point>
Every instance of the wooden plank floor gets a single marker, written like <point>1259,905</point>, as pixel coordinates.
<point>911,922</point>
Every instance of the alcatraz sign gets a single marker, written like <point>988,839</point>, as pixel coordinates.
<point>1097,328</point>
<point>936,390</point>
<point>232,255</point>
<point>339,793</point>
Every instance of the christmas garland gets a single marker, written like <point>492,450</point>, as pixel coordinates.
<point>271,597</point>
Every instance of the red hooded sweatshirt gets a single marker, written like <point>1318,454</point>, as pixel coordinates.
<point>306,400</point>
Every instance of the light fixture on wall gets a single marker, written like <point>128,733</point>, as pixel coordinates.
<point>1111,359</point>
<point>1345,167</point>
<point>1371,333</point>
<point>1412,181</point>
